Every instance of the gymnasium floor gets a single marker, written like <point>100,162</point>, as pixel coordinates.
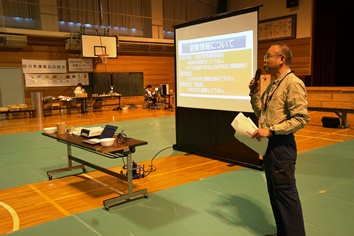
<point>233,203</point>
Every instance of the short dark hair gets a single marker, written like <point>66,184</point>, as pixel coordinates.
<point>286,51</point>
<point>80,84</point>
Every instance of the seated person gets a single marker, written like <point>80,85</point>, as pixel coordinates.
<point>149,95</point>
<point>80,90</point>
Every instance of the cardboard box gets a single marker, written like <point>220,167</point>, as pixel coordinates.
<point>56,105</point>
<point>23,107</point>
<point>97,105</point>
<point>83,95</point>
<point>14,107</point>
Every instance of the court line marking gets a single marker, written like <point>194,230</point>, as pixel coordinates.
<point>50,200</point>
<point>15,219</point>
<point>103,184</point>
<point>337,132</point>
<point>189,167</point>
<point>87,225</point>
<point>336,140</point>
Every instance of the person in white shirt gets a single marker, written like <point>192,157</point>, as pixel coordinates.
<point>80,90</point>
<point>149,95</point>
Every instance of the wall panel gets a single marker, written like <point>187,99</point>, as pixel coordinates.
<point>301,55</point>
<point>157,69</point>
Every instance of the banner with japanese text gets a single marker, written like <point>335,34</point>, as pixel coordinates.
<point>53,80</point>
<point>43,66</point>
<point>80,65</point>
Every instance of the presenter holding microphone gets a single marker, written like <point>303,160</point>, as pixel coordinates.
<point>282,110</point>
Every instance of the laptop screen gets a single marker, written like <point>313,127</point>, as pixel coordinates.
<point>108,131</point>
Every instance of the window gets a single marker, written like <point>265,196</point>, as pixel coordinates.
<point>102,13</point>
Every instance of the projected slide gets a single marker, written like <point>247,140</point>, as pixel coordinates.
<point>213,66</point>
<point>215,61</point>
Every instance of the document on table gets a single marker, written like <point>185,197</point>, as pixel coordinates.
<point>245,127</point>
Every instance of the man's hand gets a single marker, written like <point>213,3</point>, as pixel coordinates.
<point>261,133</point>
<point>251,85</point>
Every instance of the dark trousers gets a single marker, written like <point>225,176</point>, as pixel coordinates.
<point>279,163</point>
<point>153,99</point>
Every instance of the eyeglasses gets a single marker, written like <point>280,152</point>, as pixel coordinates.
<point>267,56</point>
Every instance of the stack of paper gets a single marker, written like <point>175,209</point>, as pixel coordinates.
<point>245,127</point>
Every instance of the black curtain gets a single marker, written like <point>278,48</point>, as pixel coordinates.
<point>222,6</point>
<point>332,45</point>
<point>345,46</point>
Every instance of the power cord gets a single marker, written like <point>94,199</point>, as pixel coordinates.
<point>152,167</point>
<point>139,171</point>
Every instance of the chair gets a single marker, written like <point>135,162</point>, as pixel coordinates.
<point>149,101</point>
<point>78,104</point>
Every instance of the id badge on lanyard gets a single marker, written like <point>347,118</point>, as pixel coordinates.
<point>263,114</point>
<point>263,119</point>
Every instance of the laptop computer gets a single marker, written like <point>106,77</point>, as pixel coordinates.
<point>108,132</point>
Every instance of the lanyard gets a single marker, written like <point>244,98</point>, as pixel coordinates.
<point>269,96</point>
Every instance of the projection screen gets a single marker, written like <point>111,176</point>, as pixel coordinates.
<point>215,60</point>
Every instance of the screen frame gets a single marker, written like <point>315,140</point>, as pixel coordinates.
<point>208,132</point>
<point>239,101</point>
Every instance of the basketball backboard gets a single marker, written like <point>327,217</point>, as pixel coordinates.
<point>95,45</point>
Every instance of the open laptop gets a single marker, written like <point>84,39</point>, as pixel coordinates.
<point>108,132</point>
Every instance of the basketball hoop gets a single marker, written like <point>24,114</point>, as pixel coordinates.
<point>103,58</point>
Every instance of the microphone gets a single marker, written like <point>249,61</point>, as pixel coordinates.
<point>256,78</point>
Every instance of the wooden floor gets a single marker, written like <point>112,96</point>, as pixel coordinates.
<point>45,201</point>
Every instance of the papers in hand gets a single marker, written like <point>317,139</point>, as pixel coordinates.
<point>245,127</point>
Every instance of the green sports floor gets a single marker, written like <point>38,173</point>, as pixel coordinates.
<point>235,203</point>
